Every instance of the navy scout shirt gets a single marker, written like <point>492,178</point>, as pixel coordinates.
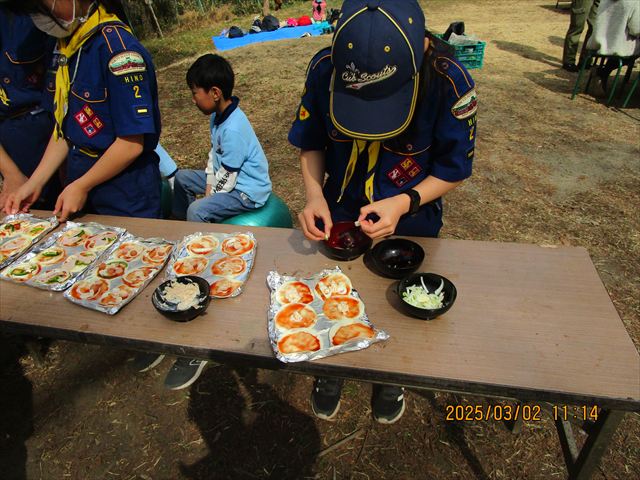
<point>113,93</point>
<point>439,142</point>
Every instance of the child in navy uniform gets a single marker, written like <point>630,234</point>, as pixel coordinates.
<point>236,179</point>
<point>385,127</point>
<point>25,127</point>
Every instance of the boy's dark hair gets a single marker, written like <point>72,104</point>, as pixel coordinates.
<point>210,71</point>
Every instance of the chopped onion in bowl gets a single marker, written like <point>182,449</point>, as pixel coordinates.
<point>419,296</point>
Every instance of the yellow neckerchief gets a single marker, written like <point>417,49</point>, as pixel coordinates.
<point>358,147</point>
<point>68,47</point>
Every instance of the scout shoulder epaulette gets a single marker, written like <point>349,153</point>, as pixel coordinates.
<point>454,73</point>
<point>319,58</point>
<point>116,37</point>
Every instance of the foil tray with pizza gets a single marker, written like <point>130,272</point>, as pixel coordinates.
<point>19,232</point>
<point>125,270</point>
<point>317,316</point>
<point>56,263</point>
<point>223,259</point>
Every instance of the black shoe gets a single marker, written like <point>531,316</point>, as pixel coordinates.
<point>325,397</point>
<point>570,67</point>
<point>144,361</point>
<point>603,75</point>
<point>183,373</point>
<point>387,403</point>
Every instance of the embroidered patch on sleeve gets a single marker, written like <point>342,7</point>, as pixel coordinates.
<point>142,110</point>
<point>404,171</point>
<point>89,121</point>
<point>470,153</point>
<point>304,113</point>
<point>126,63</point>
<point>466,106</point>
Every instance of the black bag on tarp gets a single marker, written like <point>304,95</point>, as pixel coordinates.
<point>270,23</point>
<point>235,32</point>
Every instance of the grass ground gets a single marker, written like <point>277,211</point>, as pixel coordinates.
<point>548,170</point>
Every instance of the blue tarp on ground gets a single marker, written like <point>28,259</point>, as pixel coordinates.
<point>224,43</point>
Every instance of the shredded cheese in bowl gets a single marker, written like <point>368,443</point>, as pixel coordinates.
<point>184,295</point>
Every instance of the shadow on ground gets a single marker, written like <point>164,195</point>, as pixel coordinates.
<point>16,409</point>
<point>249,431</point>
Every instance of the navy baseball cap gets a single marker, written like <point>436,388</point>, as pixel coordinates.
<point>377,53</point>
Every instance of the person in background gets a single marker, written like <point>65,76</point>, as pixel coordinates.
<point>236,178</point>
<point>386,126</point>
<point>25,127</point>
<point>319,10</point>
<point>616,31</point>
<point>581,11</point>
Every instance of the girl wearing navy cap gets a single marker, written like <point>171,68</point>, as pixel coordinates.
<point>386,126</point>
<point>107,120</point>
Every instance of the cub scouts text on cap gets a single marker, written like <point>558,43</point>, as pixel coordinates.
<point>377,54</point>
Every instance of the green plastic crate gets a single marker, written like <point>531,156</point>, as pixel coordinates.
<point>471,55</point>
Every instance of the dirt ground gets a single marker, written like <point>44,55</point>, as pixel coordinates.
<point>547,170</point>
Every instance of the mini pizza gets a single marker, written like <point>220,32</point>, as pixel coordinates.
<point>77,263</point>
<point>294,292</point>
<point>298,342</point>
<point>157,255</point>
<point>128,251</point>
<point>224,287</point>
<point>138,276</point>
<point>341,307</point>
<point>295,315</point>
<point>116,296</point>
<point>36,229</point>
<point>100,241</point>
<point>90,289</point>
<point>73,237</point>
<point>112,269</point>
<point>237,245</point>
<point>50,256</point>
<point>3,257</point>
<point>12,227</point>
<point>56,276</point>
<point>230,266</point>
<point>190,265</point>
<point>14,245</point>
<point>23,272</point>
<point>350,332</point>
<point>333,284</point>
<point>203,245</point>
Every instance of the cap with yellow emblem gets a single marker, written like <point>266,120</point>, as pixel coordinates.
<point>377,53</point>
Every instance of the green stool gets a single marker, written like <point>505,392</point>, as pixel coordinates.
<point>274,213</point>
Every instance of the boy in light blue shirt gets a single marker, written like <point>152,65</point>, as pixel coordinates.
<point>236,178</point>
<point>237,175</point>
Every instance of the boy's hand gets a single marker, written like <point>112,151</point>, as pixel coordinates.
<point>70,201</point>
<point>316,208</point>
<point>11,184</point>
<point>389,210</point>
<point>208,190</point>
<point>20,200</point>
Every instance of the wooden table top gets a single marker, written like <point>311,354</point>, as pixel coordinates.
<point>529,322</point>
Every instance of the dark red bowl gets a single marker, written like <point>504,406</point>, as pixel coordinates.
<point>346,242</point>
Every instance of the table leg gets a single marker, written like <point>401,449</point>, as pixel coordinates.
<point>581,464</point>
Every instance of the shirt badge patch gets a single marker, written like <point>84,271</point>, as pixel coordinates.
<point>127,63</point>
<point>304,113</point>
<point>404,171</point>
<point>4,98</point>
<point>89,121</point>
<point>466,106</point>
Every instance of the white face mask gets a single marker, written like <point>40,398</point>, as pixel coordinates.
<point>60,28</point>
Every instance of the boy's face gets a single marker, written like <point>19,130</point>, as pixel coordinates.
<point>205,100</point>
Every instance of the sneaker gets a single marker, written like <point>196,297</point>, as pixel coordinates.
<point>325,397</point>
<point>184,372</point>
<point>570,67</point>
<point>387,403</point>
<point>144,361</point>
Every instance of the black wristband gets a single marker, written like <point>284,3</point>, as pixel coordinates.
<point>415,200</point>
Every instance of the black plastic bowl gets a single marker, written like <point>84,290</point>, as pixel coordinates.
<point>396,257</point>
<point>346,242</point>
<point>171,311</point>
<point>432,282</point>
